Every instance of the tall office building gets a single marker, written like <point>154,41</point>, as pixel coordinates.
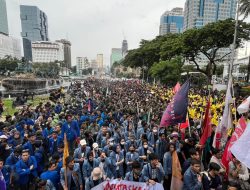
<point>3,18</point>
<point>198,13</point>
<point>124,48</point>
<point>34,27</point>
<point>67,52</point>
<point>116,56</point>
<point>99,61</point>
<point>172,21</point>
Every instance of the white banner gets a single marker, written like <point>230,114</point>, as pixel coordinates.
<point>126,185</point>
<point>240,148</point>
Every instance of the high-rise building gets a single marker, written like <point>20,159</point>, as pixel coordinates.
<point>46,52</point>
<point>67,52</point>
<point>82,63</point>
<point>172,21</point>
<point>9,46</point>
<point>99,61</point>
<point>34,27</point>
<point>3,18</point>
<point>116,56</point>
<point>198,13</point>
<point>124,48</point>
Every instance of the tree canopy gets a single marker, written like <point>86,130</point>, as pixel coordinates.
<point>209,42</point>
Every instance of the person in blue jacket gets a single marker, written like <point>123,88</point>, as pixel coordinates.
<point>6,171</point>
<point>192,180</point>
<point>73,175</point>
<point>71,128</point>
<point>89,164</point>
<point>52,174</point>
<point>117,159</point>
<point>81,152</point>
<point>58,107</point>
<point>167,166</point>
<point>153,171</point>
<point>131,156</point>
<point>105,165</point>
<point>40,156</point>
<point>11,163</point>
<point>54,142</point>
<point>135,174</point>
<point>26,168</point>
<point>30,144</point>
<point>144,151</point>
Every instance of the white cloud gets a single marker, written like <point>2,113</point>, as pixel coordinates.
<point>96,26</point>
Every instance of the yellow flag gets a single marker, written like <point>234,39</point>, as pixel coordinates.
<point>65,150</point>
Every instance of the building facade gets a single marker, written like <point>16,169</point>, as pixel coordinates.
<point>116,56</point>
<point>82,63</point>
<point>198,13</point>
<point>124,48</point>
<point>47,52</point>
<point>34,27</point>
<point>9,46</point>
<point>99,61</point>
<point>4,29</point>
<point>67,52</point>
<point>172,21</point>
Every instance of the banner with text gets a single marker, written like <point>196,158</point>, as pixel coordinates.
<point>126,185</point>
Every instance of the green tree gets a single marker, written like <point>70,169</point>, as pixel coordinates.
<point>167,71</point>
<point>9,63</point>
<point>207,41</point>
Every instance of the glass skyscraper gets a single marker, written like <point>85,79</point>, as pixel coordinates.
<point>172,21</point>
<point>34,27</point>
<point>198,13</point>
<point>3,18</point>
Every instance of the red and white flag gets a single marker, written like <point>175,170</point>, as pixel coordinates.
<point>221,133</point>
<point>244,107</point>
<point>240,149</point>
<point>239,130</point>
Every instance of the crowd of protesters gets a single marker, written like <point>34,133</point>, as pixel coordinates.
<point>112,129</point>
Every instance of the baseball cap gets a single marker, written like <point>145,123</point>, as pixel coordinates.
<point>83,142</point>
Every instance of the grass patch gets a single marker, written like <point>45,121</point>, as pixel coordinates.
<point>8,109</point>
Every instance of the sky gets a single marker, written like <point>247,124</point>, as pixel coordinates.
<point>96,26</point>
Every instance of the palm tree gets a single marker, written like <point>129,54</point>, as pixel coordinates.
<point>245,10</point>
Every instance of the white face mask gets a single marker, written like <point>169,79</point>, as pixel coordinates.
<point>155,130</point>
<point>111,143</point>
<point>122,143</point>
<point>145,146</point>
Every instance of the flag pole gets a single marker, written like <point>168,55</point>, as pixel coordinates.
<point>189,130</point>
<point>65,154</point>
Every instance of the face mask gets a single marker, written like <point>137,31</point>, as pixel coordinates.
<point>111,144</point>
<point>122,143</point>
<point>155,130</point>
<point>145,146</point>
